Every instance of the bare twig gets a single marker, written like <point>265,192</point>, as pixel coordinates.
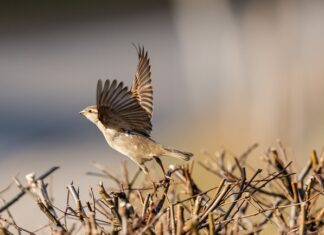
<point>22,193</point>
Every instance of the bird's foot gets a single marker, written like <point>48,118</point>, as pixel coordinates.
<point>155,188</point>
<point>165,180</point>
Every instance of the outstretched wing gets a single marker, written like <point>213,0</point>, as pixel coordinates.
<point>142,87</point>
<point>120,110</point>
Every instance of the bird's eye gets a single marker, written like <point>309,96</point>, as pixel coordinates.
<point>90,111</point>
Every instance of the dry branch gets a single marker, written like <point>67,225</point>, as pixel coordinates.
<point>244,202</point>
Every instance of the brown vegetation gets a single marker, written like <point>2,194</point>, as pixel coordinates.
<point>291,201</point>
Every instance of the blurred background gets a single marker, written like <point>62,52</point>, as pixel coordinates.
<point>225,74</point>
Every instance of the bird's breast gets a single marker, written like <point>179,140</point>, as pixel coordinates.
<point>125,143</point>
<point>132,145</point>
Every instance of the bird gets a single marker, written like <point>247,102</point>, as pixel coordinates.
<point>124,116</point>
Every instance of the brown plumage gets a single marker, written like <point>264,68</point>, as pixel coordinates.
<point>142,88</point>
<point>124,116</point>
<point>119,109</point>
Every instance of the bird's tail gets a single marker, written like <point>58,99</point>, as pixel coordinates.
<point>178,154</point>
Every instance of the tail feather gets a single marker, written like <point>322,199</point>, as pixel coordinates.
<point>178,154</point>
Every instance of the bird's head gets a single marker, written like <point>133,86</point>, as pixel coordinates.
<point>90,113</point>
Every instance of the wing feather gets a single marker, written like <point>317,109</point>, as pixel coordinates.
<point>141,85</point>
<point>119,109</point>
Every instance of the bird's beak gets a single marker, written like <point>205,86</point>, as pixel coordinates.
<point>82,112</point>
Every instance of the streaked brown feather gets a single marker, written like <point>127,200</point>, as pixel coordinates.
<point>141,86</point>
<point>119,109</point>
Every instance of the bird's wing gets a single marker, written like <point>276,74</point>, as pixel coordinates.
<point>119,109</point>
<point>142,87</point>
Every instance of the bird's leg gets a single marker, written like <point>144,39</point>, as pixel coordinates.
<point>158,160</point>
<point>143,168</point>
<point>145,171</point>
<point>166,178</point>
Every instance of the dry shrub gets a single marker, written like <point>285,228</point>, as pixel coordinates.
<point>291,201</point>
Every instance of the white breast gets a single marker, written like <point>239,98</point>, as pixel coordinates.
<point>108,133</point>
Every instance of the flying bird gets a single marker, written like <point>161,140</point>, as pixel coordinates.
<point>124,117</point>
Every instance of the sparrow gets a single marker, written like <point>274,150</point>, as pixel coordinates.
<point>124,117</point>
